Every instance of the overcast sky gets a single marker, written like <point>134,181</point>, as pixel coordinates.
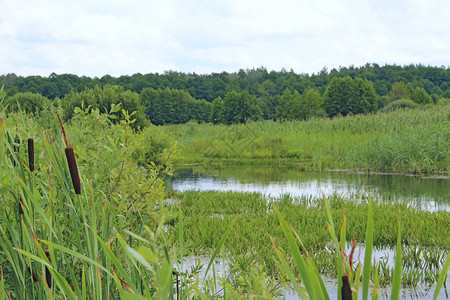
<point>99,37</point>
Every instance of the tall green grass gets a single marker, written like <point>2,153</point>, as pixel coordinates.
<point>407,140</point>
<point>60,239</point>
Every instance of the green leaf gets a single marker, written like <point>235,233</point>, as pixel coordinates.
<point>301,264</point>
<point>115,108</point>
<point>130,296</point>
<point>368,252</point>
<point>78,110</point>
<point>336,242</point>
<point>287,270</point>
<point>76,254</point>
<point>397,280</point>
<point>219,246</point>
<point>148,254</point>
<point>61,282</point>
<point>442,277</point>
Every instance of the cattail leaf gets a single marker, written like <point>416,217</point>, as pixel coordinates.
<point>78,255</point>
<point>442,277</point>
<point>62,283</point>
<point>300,261</point>
<point>115,260</point>
<point>397,280</point>
<point>288,271</point>
<point>368,252</point>
<point>219,246</point>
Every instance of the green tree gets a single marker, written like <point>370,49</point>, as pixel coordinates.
<point>216,111</point>
<point>312,103</point>
<point>239,108</point>
<point>336,96</point>
<point>421,96</point>
<point>103,98</point>
<point>364,97</point>
<point>284,107</point>
<point>400,90</point>
<point>172,106</point>
<point>28,102</point>
<point>199,110</point>
<point>347,95</point>
<point>290,106</point>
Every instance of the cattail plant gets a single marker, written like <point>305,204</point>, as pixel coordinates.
<point>20,205</point>
<point>70,155</point>
<point>346,291</point>
<point>48,275</point>
<point>31,154</point>
<point>35,278</point>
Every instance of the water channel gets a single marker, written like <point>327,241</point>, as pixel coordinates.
<point>428,192</point>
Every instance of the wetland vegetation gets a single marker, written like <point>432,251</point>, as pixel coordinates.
<point>107,227</point>
<point>405,141</point>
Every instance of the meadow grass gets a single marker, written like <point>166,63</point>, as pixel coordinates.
<point>406,140</point>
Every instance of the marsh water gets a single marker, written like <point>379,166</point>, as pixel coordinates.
<point>428,192</point>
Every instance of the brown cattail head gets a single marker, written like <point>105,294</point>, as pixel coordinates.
<point>70,155</point>
<point>48,275</point>
<point>346,291</point>
<point>35,278</point>
<point>20,205</point>
<point>31,154</point>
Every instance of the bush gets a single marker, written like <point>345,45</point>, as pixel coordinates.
<point>154,141</point>
<point>401,103</point>
<point>27,102</point>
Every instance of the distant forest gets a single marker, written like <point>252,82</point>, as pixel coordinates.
<point>176,97</point>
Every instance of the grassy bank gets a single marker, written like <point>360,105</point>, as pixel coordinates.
<point>207,215</point>
<point>413,141</point>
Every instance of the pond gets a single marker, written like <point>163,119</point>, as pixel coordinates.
<point>428,192</point>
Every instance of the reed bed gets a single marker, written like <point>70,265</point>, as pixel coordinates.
<point>406,141</point>
<point>66,229</point>
<point>207,215</point>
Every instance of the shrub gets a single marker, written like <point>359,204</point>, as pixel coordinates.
<point>401,103</point>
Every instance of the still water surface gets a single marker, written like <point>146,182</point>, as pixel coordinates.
<point>430,193</point>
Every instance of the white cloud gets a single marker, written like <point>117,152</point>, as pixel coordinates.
<point>95,38</point>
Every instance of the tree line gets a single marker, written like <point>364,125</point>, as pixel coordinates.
<point>174,97</point>
<point>258,82</point>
